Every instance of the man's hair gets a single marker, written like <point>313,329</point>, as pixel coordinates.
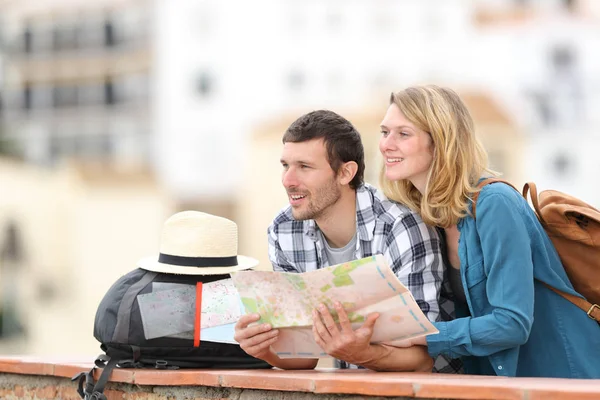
<point>342,140</point>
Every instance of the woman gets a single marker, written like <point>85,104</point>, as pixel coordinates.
<point>508,323</point>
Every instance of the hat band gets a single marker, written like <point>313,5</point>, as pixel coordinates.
<point>198,261</point>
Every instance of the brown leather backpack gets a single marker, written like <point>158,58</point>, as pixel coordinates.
<point>574,228</point>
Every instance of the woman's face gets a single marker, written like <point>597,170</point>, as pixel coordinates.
<point>407,151</point>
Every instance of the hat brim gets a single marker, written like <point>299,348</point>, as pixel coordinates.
<point>152,264</point>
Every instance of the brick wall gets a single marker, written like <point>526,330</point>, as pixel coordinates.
<point>43,379</point>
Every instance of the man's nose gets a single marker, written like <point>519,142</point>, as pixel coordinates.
<point>289,178</point>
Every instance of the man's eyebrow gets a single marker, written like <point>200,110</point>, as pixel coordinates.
<point>283,161</point>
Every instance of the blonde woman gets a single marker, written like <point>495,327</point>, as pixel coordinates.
<point>508,323</point>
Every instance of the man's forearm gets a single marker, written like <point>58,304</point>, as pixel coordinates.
<point>380,357</point>
<point>291,363</point>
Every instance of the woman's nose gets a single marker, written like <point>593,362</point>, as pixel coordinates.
<point>386,143</point>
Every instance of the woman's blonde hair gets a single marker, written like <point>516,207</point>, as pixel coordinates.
<point>459,159</point>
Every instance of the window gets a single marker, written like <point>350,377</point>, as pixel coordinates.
<point>296,80</point>
<point>27,97</point>
<point>109,92</point>
<point>134,87</point>
<point>91,94</point>
<point>109,33</point>
<point>11,259</point>
<point>205,85</point>
<point>27,40</point>
<point>91,32</point>
<point>65,37</point>
<point>65,96</point>
<point>563,57</point>
<point>570,5</point>
<point>562,165</point>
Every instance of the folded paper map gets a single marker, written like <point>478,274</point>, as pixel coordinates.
<point>169,310</point>
<point>286,301</point>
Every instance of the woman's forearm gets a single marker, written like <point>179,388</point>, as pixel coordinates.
<point>381,357</point>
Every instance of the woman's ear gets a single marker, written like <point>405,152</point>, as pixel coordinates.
<point>347,172</point>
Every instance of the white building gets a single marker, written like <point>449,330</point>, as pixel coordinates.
<point>542,60</point>
<point>76,80</point>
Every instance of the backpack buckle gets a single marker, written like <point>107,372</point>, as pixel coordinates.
<point>591,310</point>
<point>161,364</point>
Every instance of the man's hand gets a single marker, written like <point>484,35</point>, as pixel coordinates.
<point>343,343</point>
<point>255,340</point>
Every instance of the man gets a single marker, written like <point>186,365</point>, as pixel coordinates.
<point>334,217</point>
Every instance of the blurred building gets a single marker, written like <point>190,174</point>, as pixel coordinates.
<point>65,236</point>
<point>77,80</point>
<point>82,204</point>
<point>542,60</point>
<point>179,85</point>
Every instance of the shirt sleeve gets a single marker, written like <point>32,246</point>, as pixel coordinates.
<point>508,266</point>
<point>414,252</point>
<point>276,256</point>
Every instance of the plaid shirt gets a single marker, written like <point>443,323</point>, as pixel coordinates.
<point>412,249</point>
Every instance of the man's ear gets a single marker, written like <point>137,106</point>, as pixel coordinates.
<point>347,172</point>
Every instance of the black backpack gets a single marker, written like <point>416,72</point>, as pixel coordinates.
<point>118,327</point>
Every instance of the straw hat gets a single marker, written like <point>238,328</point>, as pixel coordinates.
<point>196,243</point>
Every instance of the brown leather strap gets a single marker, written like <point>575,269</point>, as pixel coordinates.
<point>530,186</point>
<point>486,182</point>
<point>592,310</point>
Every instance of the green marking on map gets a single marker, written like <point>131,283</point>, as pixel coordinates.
<point>342,280</point>
<point>325,288</point>
<point>354,317</point>
<point>250,305</point>
<point>296,280</point>
<point>351,266</point>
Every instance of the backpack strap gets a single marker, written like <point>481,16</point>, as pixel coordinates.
<point>592,310</point>
<point>88,378</point>
<point>98,390</point>
<point>534,199</point>
<point>95,391</point>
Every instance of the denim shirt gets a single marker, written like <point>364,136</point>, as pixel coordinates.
<point>515,326</point>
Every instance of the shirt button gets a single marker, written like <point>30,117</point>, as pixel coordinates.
<point>500,367</point>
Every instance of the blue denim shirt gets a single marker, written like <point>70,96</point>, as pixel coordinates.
<point>515,326</point>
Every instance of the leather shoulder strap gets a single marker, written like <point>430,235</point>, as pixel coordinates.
<point>592,310</point>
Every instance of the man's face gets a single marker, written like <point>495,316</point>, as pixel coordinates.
<point>310,182</point>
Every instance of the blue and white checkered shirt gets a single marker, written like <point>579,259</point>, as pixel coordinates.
<point>412,249</point>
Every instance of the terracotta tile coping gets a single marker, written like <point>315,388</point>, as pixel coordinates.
<point>326,381</point>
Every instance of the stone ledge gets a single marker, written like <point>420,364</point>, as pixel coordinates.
<point>317,382</point>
